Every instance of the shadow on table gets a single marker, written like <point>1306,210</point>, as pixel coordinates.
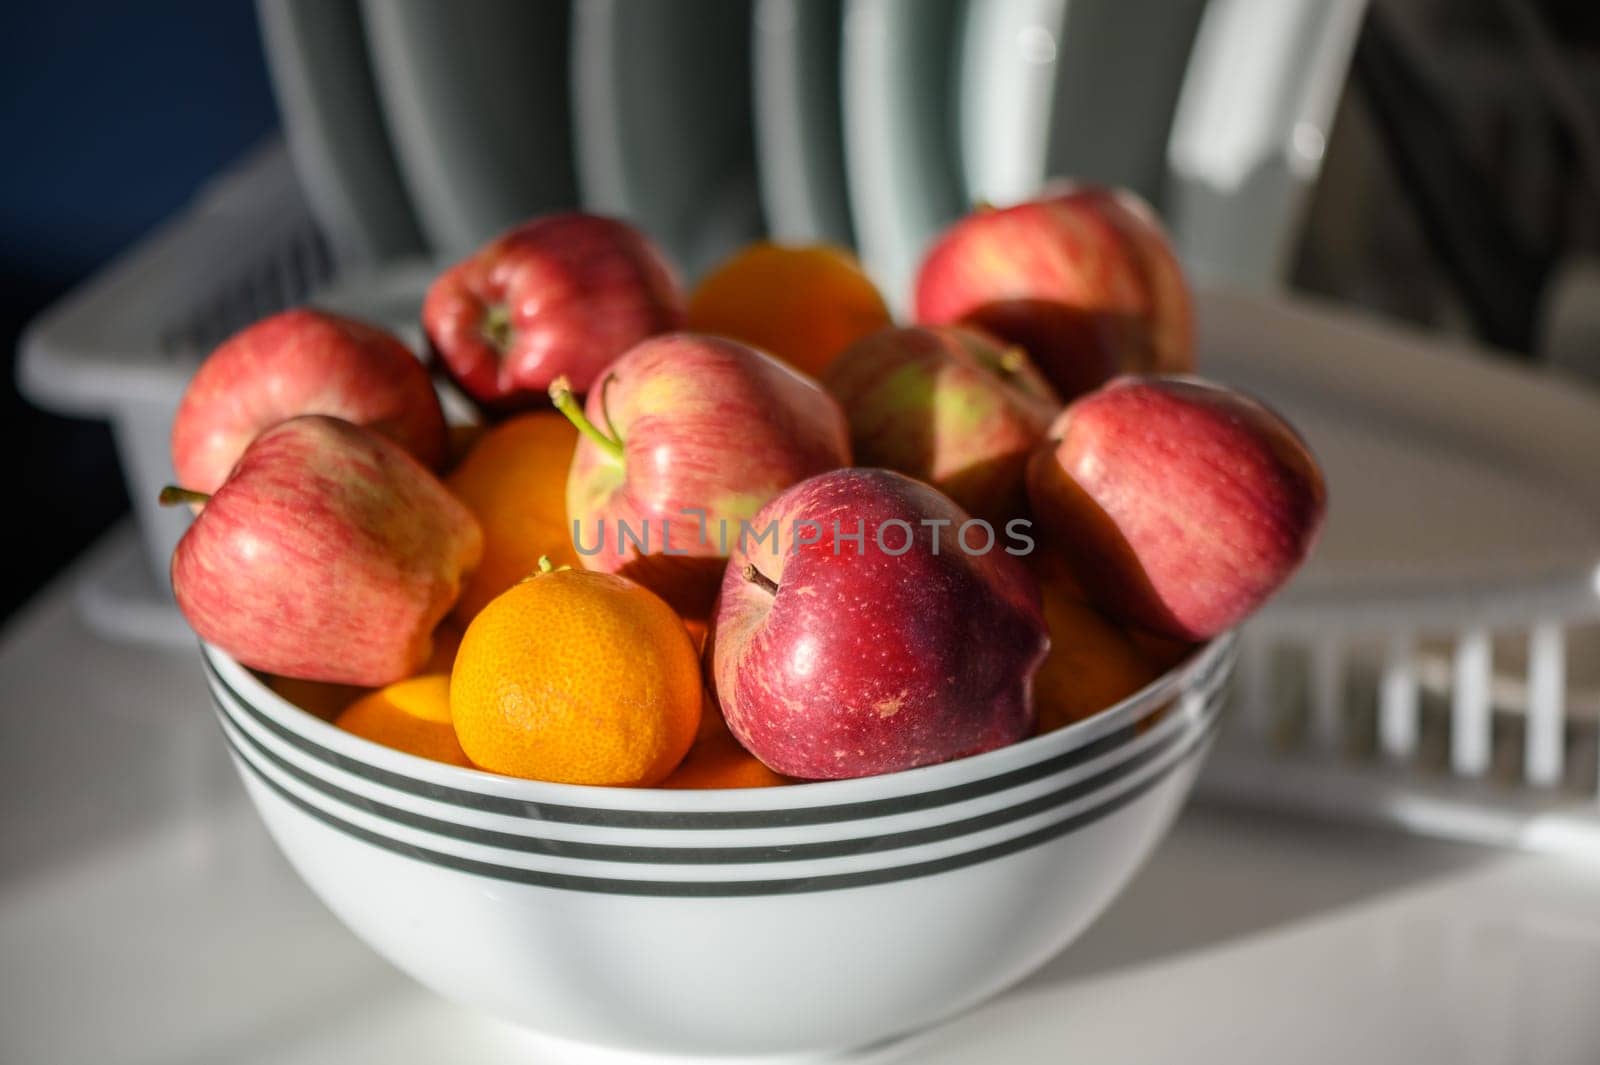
<point>1227,875</point>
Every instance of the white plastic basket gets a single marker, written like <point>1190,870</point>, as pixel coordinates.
<point>123,345</point>
<point>1437,665</point>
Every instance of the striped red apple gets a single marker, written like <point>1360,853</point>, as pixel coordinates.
<point>560,296</point>
<point>302,361</point>
<point>329,554</point>
<point>682,438</point>
<point>1082,277</point>
<point>1180,505</point>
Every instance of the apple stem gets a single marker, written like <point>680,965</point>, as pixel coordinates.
<point>496,326</point>
<point>1012,360</point>
<point>756,577</point>
<point>172,495</point>
<point>567,403</point>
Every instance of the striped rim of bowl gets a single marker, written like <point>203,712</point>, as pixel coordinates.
<point>1011,816</point>
<point>817,803</point>
<point>692,880</point>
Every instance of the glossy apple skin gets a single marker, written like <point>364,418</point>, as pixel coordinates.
<point>1180,505</point>
<point>865,663</point>
<point>708,424</point>
<point>1084,278</point>
<point>302,361</point>
<point>575,292</point>
<point>329,555</point>
<point>949,406</point>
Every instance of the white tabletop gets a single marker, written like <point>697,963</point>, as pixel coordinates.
<point>145,917</point>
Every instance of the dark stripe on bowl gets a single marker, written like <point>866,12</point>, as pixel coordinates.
<point>712,819</point>
<point>737,888</point>
<point>613,852</point>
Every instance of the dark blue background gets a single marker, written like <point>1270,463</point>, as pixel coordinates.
<point>115,113</point>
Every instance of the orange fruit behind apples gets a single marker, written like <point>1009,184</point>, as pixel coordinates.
<point>316,697</point>
<point>328,701</point>
<point>718,760</point>
<point>1163,652</point>
<point>1093,662</point>
<point>697,631</point>
<point>446,641</point>
<point>411,715</point>
<point>577,677</point>
<point>460,441</point>
<point>804,304</point>
<point>515,483</point>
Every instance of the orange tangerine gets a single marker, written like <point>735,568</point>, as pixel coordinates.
<point>515,483</point>
<point>577,677</point>
<point>1052,570</point>
<point>1163,652</point>
<point>460,441</point>
<point>327,701</point>
<point>314,696</point>
<point>718,760</point>
<point>804,304</point>
<point>697,631</point>
<point>1093,663</point>
<point>446,641</point>
<point>410,715</point>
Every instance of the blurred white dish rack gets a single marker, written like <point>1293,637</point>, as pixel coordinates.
<point>1437,666</point>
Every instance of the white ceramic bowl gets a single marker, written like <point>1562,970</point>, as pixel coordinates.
<point>815,917</point>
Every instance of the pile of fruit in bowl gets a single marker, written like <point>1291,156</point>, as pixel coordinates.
<point>748,592</point>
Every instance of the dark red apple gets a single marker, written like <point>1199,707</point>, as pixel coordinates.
<point>685,437</point>
<point>833,659</point>
<point>1180,505</point>
<point>302,361</point>
<point>562,295</point>
<point>330,554</point>
<point>1083,278</point>
<point>949,406</point>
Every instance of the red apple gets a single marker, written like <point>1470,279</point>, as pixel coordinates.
<point>1083,278</point>
<point>949,406</point>
<point>562,295</point>
<point>836,659</point>
<point>302,361</point>
<point>330,554</point>
<point>686,436</point>
<point>1180,505</point>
